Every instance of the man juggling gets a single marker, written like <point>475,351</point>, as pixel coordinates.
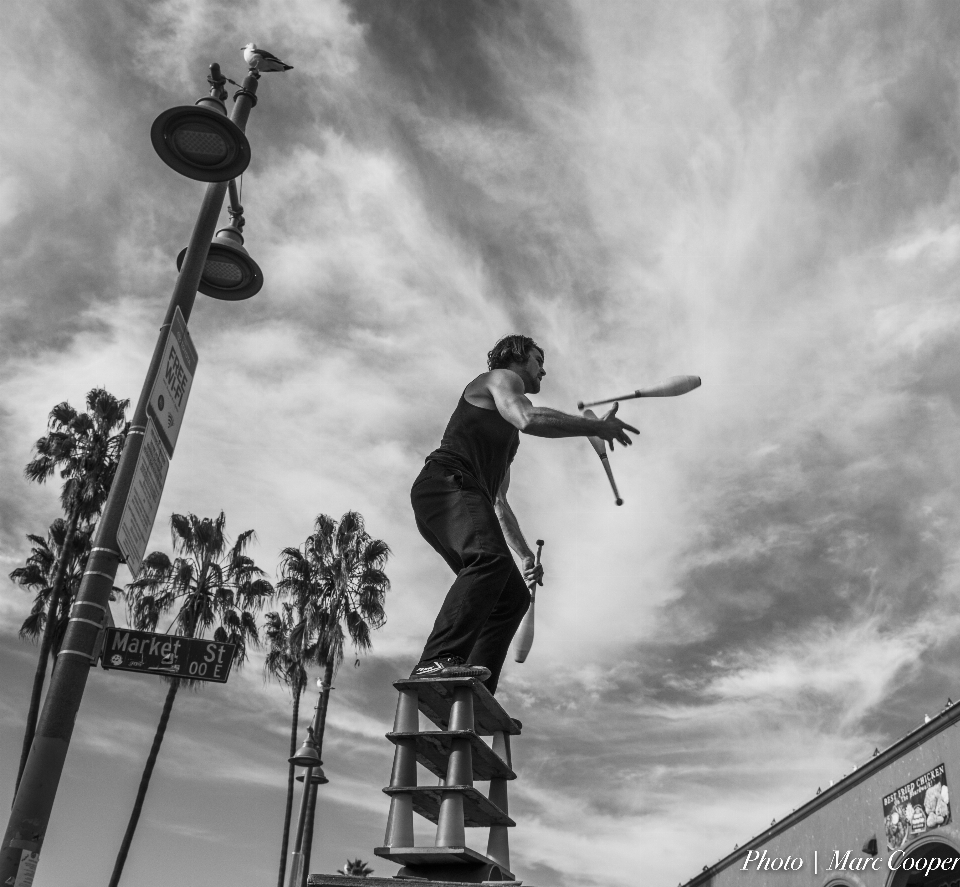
<point>460,503</point>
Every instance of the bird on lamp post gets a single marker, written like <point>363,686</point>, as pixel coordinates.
<point>262,61</point>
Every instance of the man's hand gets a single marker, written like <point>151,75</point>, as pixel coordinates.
<point>613,429</point>
<point>532,571</point>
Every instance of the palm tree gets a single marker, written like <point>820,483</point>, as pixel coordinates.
<point>288,650</point>
<point>208,587</point>
<point>356,867</point>
<point>85,448</point>
<point>37,575</point>
<point>339,569</point>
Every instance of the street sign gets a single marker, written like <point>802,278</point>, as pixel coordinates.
<point>167,654</point>
<point>168,400</point>
<point>146,488</point>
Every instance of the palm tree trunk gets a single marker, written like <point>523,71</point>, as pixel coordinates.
<point>46,641</point>
<point>318,736</point>
<point>144,783</point>
<point>284,845</point>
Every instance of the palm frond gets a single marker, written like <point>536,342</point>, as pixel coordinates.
<point>244,540</point>
<point>248,624</point>
<point>181,531</point>
<point>33,625</point>
<point>62,415</point>
<point>374,577</point>
<point>255,594</point>
<point>40,468</point>
<point>359,631</point>
<point>296,636</point>
<point>31,576</point>
<point>375,553</point>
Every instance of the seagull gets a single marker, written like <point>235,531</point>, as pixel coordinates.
<point>262,61</point>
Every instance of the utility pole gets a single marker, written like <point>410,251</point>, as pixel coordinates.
<point>202,143</point>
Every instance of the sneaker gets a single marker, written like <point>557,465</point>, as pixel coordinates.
<point>449,667</point>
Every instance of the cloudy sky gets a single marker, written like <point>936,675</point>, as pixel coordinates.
<point>765,194</point>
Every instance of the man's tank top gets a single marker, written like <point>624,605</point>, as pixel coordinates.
<point>479,443</point>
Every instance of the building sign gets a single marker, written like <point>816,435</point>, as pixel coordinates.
<point>917,807</point>
<point>168,400</point>
<point>143,500</point>
<point>167,654</point>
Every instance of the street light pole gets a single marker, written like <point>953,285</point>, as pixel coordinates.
<point>301,851</point>
<point>35,797</point>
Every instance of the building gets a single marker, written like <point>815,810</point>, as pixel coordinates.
<point>889,823</point>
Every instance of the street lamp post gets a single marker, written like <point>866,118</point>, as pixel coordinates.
<point>203,143</point>
<point>308,757</point>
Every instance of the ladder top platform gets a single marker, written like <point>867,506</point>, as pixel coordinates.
<point>435,697</point>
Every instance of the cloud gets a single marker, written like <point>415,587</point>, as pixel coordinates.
<point>477,103</point>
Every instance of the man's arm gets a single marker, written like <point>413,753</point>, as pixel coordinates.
<point>532,572</point>
<point>506,389</point>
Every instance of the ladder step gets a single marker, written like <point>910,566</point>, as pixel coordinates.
<point>436,698</point>
<point>478,811</point>
<point>432,856</point>
<point>433,751</point>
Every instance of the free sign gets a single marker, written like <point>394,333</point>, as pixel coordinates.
<point>168,400</point>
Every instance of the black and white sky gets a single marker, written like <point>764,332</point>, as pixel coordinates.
<point>761,193</point>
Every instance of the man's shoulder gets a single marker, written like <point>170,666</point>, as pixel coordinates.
<point>484,390</point>
<point>495,379</point>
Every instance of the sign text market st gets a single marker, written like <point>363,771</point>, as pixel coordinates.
<point>146,652</point>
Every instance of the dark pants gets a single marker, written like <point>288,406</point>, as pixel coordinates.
<point>486,602</point>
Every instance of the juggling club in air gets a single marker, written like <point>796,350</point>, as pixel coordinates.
<point>601,448</point>
<point>672,387</point>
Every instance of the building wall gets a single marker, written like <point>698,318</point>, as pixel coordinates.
<point>845,818</point>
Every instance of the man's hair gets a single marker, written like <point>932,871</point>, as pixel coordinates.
<point>510,349</point>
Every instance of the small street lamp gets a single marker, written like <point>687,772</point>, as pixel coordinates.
<point>307,756</point>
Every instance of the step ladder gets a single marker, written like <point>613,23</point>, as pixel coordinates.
<point>463,710</point>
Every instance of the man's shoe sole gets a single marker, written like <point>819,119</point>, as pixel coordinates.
<point>454,671</point>
<point>466,671</point>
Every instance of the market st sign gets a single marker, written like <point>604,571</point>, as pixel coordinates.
<point>165,654</point>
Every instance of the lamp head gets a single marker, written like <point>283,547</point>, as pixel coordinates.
<point>317,776</point>
<point>229,273</point>
<point>307,755</point>
<point>201,142</point>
